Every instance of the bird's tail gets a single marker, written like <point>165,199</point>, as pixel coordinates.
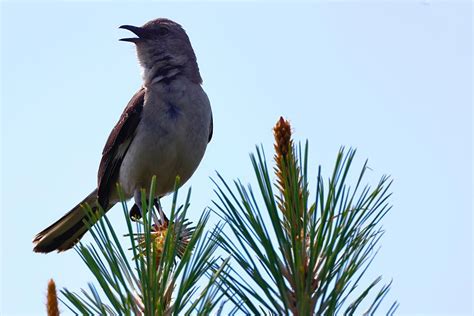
<point>66,232</point>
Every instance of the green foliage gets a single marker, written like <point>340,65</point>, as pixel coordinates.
<point>163,277</point>
<point>309,258</point>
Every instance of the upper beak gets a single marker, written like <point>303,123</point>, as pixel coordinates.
<point>138,31</point>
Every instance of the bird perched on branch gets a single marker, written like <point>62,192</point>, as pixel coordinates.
<point>163,131</point>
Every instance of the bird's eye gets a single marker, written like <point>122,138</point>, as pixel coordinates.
<point>163,31</point>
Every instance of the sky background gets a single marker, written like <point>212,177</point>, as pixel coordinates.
<point>393,80</point>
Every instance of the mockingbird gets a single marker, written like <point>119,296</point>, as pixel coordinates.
<point>163,131</point>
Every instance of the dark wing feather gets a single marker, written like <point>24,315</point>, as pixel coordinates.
<point>117,145</point>
<point>211,130</point>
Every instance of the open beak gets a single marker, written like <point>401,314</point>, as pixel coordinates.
<point>138,31</point>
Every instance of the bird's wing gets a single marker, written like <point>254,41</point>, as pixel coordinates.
<point>117,145</point>
<point>211,129</point>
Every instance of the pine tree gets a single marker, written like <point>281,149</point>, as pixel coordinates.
<point>275,251</point>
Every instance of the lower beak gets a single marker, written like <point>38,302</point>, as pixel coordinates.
<point>138,31</point>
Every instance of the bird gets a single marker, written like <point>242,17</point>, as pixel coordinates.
<point>163,131</point>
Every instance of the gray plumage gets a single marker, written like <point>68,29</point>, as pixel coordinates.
<point>163,131</point>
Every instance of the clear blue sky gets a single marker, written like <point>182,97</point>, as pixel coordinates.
<point>393,80</point>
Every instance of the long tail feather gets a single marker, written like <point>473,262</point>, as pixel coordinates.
<point>67,231</point>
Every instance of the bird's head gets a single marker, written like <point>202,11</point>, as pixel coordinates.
<point>163,43</point>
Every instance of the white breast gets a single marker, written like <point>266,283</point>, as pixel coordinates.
<point>171,137</point>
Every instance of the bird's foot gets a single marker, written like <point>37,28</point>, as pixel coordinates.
<point>162,216</point>
<point>135,213</point>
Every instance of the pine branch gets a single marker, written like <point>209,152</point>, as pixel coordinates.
<point>308,259</point>
<point>169,263</point>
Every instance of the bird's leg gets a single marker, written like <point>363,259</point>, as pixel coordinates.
<point>163,219</point>
<point>136,210</point>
